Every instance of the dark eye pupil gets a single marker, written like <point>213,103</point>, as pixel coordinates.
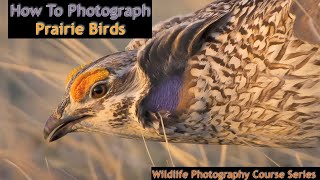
<point>99,91</point>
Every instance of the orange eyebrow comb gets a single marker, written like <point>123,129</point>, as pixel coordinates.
<point>83,82</point>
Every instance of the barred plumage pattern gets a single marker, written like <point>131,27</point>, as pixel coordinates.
<point>253,81</point>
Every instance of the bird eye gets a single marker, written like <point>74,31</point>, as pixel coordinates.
<point>98,91</point>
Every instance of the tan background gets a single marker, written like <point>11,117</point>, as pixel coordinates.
<point>32,81</point>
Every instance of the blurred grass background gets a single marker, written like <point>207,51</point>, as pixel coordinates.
<point>32,82</point>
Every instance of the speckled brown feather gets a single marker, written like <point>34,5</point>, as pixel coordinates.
<point>252,82</point>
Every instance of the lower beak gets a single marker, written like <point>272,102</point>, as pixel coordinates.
<point>58,127</point>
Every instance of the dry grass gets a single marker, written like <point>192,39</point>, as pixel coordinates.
<point>32,80</point>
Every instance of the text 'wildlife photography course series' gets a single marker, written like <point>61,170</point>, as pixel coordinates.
<point>160,89</point>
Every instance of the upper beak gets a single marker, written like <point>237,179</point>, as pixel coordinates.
<point>58,127</point>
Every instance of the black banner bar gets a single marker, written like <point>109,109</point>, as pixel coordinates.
<point>80,19</point>
<point>236,173</point>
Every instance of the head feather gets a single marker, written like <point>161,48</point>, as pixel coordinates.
<point>74,71</point>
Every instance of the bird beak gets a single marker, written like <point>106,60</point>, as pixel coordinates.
<point>58,128</point>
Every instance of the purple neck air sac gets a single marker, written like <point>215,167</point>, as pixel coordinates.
<point>165,96</point>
